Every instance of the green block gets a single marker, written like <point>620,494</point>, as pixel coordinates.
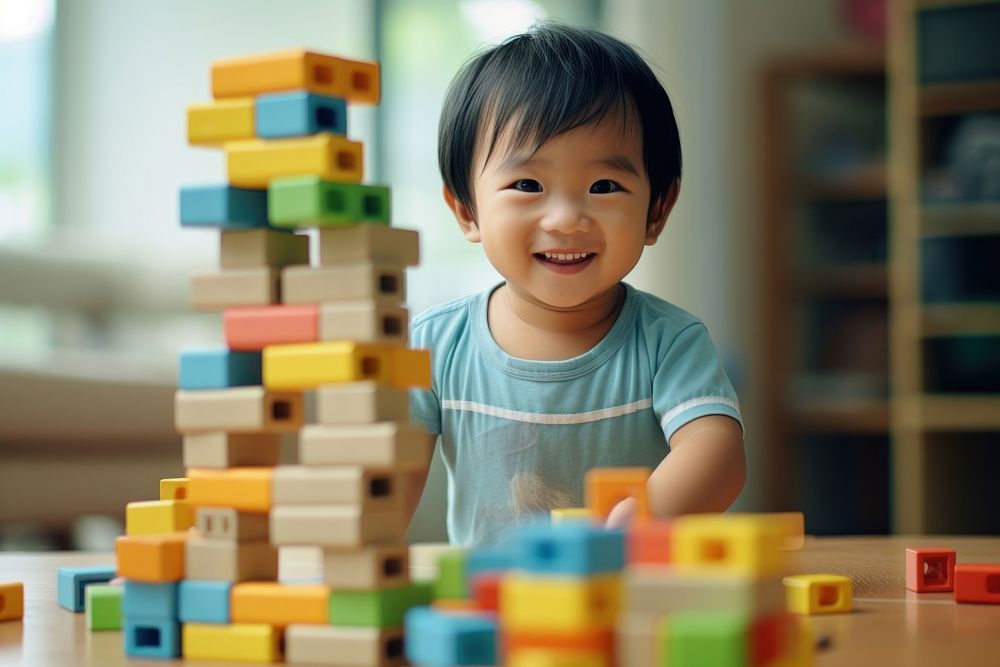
<point>706,639</point>
<point>380,608</point>
<point>450,582</point>
<point>312,202</point>
<point>103,606</point>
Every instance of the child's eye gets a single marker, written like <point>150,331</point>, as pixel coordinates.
<point>527,185</point>
<point>604,186</point>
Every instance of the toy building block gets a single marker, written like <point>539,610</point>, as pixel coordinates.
<point>383,608</point>
<point>636,640</point>
<point>240,409</point>
<point>254,328</point>
<point>103,608</point>
<point>298,114</point>
<point>977,583</point>
<point>575,548</point>
<point>249,642</point>
<point>280,604</point>
<point>305,366</point>
<point>424,558</point>
<point>71,581</point>
<point>592,641</point>
<point>374,488</point>
<point>381,281</point>
<point>149,517</point>
<point>219,560</point>
<point>344,647</point>
<point>223,207</point>
<point>818,593</point>
<point>436,639</point>
<point>231,525</point>
<point>563,514</point>
<point>930,570</point>
<point>312,202</point>
<point>547,657</point>
<point>450,582</point>
<point>250,248</point>
<point>488,560</point>
<point>770,636</point>
<point>221,449</point>
<point>739,543</point>
<point>215,123</point>
<point>454,605</point>
<point>559,604</point>
<point>410,368</point>
<point>340,526</point>
<point>368,568</point>
<point>173,488</point>
<point>150,600</point>
<point>152,637</point>
<point>368,243</point>
<point>706,638</point>
<point>356,81</point>
<point>217,368</point>
<point>364,321</point>
<point>794,524</point>
<point>648,542</point>
<point>404,445</point>
<point>662,590</point>
<point>203,601</point>
<point>362,402</point>
<point>151,558</point>
<point>12,600</point>
<point>235,287</point>
<point>486,592</point>
<point>255,163</point>
<point>245,489</point>
<point>606,487</point>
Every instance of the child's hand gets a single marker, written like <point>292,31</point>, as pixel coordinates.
<point>621,515</point>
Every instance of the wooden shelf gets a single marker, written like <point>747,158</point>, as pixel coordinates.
<point>960,218</point>
<point>959,318</point>
<point>842,416</point>
<point>959,412</point>
<point>946,99</point>
<point>950,4</point>
<point>864,281</point>
<point>863,183</point>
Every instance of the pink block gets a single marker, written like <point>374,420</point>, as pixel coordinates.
<point>930,570</point>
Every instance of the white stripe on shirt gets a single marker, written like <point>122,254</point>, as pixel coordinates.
<point>695,402</point>
<point>543,418</point>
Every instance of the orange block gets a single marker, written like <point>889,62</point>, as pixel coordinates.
<point>253,328</point>
<point>648,542</point>
<point>280,604</point>
<point>151,558</point>
<point>410,367</point>
<point>486,591</point>
<point>245,489</point>
<point>602,641</point>
<point>606,487</point>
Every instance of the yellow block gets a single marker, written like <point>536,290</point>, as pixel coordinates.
<point>245,489</point>
<point>570,514</point>
<point>255,163</point>
<point>148,517</point>
<point>818,593</point>
<point>553,657</point>
<point>309,365</point>
<point>411,368</point>
<point>746,544</point>
<point>280,604</point>
<point>250,642</point>
<point>11,600</point>
<point>215,123</point>
<point>174,488</point>
<point>560,604</point>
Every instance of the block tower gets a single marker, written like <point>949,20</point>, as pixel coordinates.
<point>201,564</point>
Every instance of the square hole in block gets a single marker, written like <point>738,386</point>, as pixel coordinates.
<point>206,524</point>
<point>936,570</point>
<point>392,566</point>
<point>392,326</point>
<point>345,160</point>
<point>993,584</point>
<point>180,493</point>
<point>394,648</point>
<point>380,487</point>
<point>369,366</point>
<point>546,550</point>
<point>326,117</point>
<point>224,529</point>
<point>322,74</point>
<point>388,284</point>
<point>371,205</point>
<point>147,636</point>
<point>827,595</point>
<point>360,81</point>
<point>282,410</point>
<point>712,550</point>
<point>473,646</point>
<point>335,201</point>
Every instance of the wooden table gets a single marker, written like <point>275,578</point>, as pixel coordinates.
<point>889,626</point>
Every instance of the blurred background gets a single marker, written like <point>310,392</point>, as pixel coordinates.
<point>838,231</point>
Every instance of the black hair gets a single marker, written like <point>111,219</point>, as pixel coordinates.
<point>547,81</point>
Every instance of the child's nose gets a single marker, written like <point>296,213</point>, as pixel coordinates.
<point>565,218</point>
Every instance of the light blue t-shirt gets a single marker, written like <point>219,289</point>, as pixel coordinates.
<point>517,436</point>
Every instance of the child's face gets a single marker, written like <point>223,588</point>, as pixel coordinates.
<point>583,194</point>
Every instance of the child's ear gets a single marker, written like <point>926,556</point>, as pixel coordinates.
<point>466,221</point>
<point>661,211</point>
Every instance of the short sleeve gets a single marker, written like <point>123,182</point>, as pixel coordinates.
<point>689,382</point>
<point>425,406</point>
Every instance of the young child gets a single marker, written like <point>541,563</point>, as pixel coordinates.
<point>560,154</point>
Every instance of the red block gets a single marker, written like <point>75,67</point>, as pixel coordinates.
<point>253,328</point>
<point>770,637</point>
<point>978,583</point>
<point>648,542</point>
<point>930,570</point>
<point>486,592</point>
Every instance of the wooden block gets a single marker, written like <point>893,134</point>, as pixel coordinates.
<point>148,517</point>
<point>255,163</point>
<point>606,487</point>
<point>221,449</point>
<point>551,657</point>
<point>977,583</point>
<point>383,608</point>
<point>103,609</point>
<point>424,559</point>
<point>235,287</point>
<point>364,321</point>
<point>312,202</point>
<point>663,590</point>
<point>222,207</point>
<point>356,81</point>
<point>280,604</point>
<point>818,593</point>
<point>344,647</point>
<point>254,328</point>
<point>12,600</point>
<point>930,570</point>
<point>384,282</point>
<point>173,488</point>
<point>375,488</point>
<point>217,368</point>
<point>151,558</point>
<point>404,445</point>
<point>305,366</point>
<point>246,489</point>
<point>361,321</point>
<point>298,113</point>
<point>368,568</point>
<point>745,544</point>
<point>361,403</point>
<point>636,640</point>
<point>215,123</point>
<point>250,642</point>
<point>220,560</point>
<point>255,248</point>
<point>241,409</point>
<point>367,243</point>
<point>231,525</point>
<point>340,526</point>
<point>411,368</point>
<point>560,604</point>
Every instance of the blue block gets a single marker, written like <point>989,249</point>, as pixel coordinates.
<point>204,601</point>
<point>487,559</point>
<point>573,547</point>
<point>150,600</point>
<point>223,207</point>
<point>436,639</point>
<point>70,582</point>
<point>218,368</point>
<point>299,114</point>
<point>152,637</point>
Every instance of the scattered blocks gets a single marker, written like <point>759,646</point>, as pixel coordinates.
<point>12,600</point>
<point>103,608</point>
<point>818,593</point>
<point>439,639</point>
<point>977,583</point>
<point>298,114</point>
<point>203,601</point>
<point>930,570</point>
<point>251,642</point>
<point>606,487</point>
<point>152,637</point>
<point>313,202</point>
<point>151,558</point>
<point>71,581</point>
<point>223,207</point>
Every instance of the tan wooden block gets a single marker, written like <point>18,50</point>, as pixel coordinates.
<point>424,558</point>
<point>366,321</point>
<point>404,445</point>
<point>361,403</point>
<point>240,409</point>
<point>368,569</point>
<point>255,248</point>
<point>366,243</point>
<point>663,590</point>
<point>338,526</point>
<point>220,560</point>
<point>220,449</point>
<point>235,287</point>
<point>360,280</point>
<point>230,525</point>
<point>344,646</point>
<point>375,488</point>
<point>637,640</point>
